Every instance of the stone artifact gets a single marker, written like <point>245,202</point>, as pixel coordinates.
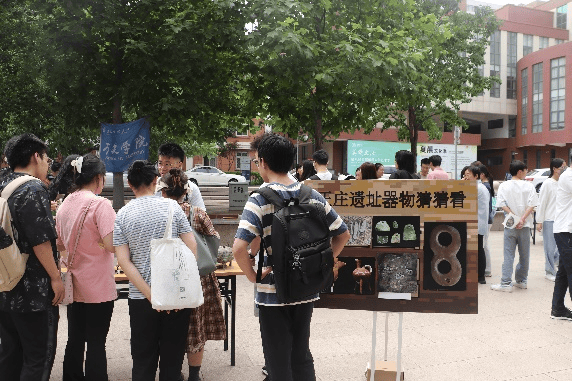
<point>361,275</point>
<point>382,226</point>
<point>409,233</point>
<point>396,238</point>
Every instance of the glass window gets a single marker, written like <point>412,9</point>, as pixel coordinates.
<point>240,133</point>
<point>544,42</point>
<point>525,157</point>
<point>552,153</point>
<point>537,83</point>
<point>511,126</point>
<point>527,44</point>
<point>511,66</point>
<point>482,74</point>
<point>241,155</point>
<point>524,109</point>
<point>561,14</point>
<point>558,41</point>
<point>495,62</point>
<point>557,92</point>
<point>495,123</point>
<point>538,157</point>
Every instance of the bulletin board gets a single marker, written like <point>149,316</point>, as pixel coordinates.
<point>412,248</point>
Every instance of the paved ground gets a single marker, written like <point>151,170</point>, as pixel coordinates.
<point>512,338</point>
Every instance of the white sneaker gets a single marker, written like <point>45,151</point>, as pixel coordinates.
<point>550,277</point>
<point>522,285</point>
<point>502,287</point>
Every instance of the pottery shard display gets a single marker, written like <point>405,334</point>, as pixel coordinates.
<point>382,239</point>
<point>395,225</point>
<point>409,233</point>
<point>382,226</point>
<point>396,238</point>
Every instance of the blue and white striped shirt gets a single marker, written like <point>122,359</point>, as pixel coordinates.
<point>250,226</point>
<point>140,221</point>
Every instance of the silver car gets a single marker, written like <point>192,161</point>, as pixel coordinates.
<point>207,175</point>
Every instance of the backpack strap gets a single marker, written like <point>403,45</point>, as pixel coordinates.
<point>314,177</point>
<point>15,184</point>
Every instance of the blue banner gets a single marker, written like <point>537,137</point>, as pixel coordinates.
<point>122,144</point>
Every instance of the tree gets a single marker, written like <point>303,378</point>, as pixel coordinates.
<point>446,77</point>
<point>228,151</point>
<point>329,66</point>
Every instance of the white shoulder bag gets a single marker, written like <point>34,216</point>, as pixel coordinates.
<point>175,280</point>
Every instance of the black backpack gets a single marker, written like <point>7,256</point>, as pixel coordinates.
<point>316,177</point>
<point>302,259</point>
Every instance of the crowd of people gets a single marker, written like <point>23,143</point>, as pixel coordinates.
<point>87,240</point>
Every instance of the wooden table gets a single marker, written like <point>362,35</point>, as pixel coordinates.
<point>227,285</point>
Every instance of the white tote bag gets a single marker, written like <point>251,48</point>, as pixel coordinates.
<point>175,281</point>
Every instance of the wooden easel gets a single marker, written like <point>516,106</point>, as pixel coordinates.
<point>373,343</point>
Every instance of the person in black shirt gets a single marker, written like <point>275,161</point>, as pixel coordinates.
<point>405,164</point>
<point>29,312</point>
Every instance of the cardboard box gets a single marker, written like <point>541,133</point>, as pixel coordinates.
<point>384,371</point>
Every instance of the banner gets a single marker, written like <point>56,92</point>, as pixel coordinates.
<point>122,144</point>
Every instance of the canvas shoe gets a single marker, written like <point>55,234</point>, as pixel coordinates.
<point>550,277</point>
<point>522,285</point>
<point>502,287</point>
<point>563,314</point>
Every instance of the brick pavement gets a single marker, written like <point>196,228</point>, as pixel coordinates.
<point>512,338</point>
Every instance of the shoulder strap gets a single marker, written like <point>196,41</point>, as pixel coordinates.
<point>71,255</point>
<point>15,184</point>
<point>272,196</point>
<point>305,194</point>
<point>314,177</point>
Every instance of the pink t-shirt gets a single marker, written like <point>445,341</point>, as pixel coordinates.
<point>92,267</point>
<point>438,174</point>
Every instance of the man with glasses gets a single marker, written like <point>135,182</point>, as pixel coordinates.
<point>29,312</point>
<point>171,155</point>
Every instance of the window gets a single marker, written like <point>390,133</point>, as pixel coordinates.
<point>552,153</point>
<point>494,160</point>
<point>241,133</point>
<point>527,44</point>
<point>511,126</point>
<point>544,42</point>
<point>513,156</point>
<point>537,98</point>
<point>538,157</point>
<point>525,157</point>
<point>561,14</point>
<point>511,66</point>
<point>212,161</point>
<point>495,123</point>
<point>524,110</point>
<point>240,156</point>
<point>495,62</point>
<point>557,92</point>
<point>482,74</point>
<point>558,41</point>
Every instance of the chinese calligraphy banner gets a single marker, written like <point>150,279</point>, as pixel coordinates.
<point>122,144</point>
<point>418,253</point>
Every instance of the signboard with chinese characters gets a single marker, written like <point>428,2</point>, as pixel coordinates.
<point>465,155</point>
<point>122,144</point>
<point>237,195</point>
<point>422,251</point>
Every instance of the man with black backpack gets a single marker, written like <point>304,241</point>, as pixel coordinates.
<point>29,311</point>
<point>301,235</point>
<point>321,160</point>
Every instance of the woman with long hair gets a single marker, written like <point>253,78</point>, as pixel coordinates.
<point>206,321</point>
<point>368,171</point>
<point>63,182</point>
<point>545,215</point>
<point>308,170</point>
<point>84,223</point>
<point>405,164</point>
<point>155,335</point>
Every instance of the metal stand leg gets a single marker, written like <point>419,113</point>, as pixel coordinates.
<point>373,339</point>
<point>386,334</point>
<point>399,342</point>
<point>233,321</point>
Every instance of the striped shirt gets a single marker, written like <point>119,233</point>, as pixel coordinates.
<point>140,221</point>
<point>250,226</point>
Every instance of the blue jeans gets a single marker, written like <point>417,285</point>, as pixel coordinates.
<point>550,248</point>
<point>564,275</point>
<point>512,239</point>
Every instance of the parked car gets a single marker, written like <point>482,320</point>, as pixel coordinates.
<point>207,175</point>
<point>109,181</point>
<point>537,176</point>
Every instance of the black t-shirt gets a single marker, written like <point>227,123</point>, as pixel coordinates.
<point>403,174</point>
<point>33,225</point>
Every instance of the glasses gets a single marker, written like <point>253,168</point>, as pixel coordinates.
<point>256,162</point>
<point>166,165</point>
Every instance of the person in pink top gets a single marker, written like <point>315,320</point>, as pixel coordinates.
<point>437,173</point>
<point>91,265</point>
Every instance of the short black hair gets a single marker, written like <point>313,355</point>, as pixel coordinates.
<point>435,160</point>
<point>171,150</point>
<point>555,163</point>
<point>474,170</point>
<point>405,161</point>
<point>20,149</point>
<point>142,173</point>
<point>321,157</point>
<point>425,161</point>
<point>516,166</point>
<point>276,151</point>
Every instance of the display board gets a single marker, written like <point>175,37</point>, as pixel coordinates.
<point>413,246</point>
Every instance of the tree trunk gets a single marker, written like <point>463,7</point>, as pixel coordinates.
<point>413,134</point>
<point>118,186</point>
<point>318,138</point>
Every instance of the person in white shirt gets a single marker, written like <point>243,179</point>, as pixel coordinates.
<point>519,198</point>
<point>321,160</point>
<point>545,214</point>
<point>473,173</point>
<point>563,238</point>
<point>171,155</point>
